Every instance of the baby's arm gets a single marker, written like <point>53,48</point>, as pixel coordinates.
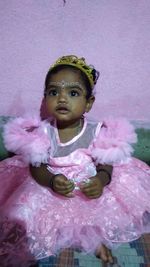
<point>58,183</point>
<point>94,188</point>
<point>104,172</point>
<point>41,175</point>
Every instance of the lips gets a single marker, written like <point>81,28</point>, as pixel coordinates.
<point>62,109</point>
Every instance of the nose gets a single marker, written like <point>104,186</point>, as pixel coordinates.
<point>62,98</point>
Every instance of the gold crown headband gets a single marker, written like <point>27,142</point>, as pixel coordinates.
<point>79,63</point>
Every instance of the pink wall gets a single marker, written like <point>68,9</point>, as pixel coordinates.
<point>113,35</point>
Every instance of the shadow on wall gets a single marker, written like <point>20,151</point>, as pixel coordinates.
<point>43,112</point>
<point>17,105</point>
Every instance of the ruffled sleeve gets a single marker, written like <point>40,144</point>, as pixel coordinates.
<point>28,137</point>
<point>113,142</point>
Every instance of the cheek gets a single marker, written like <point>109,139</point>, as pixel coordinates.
<point>49,104</point>
<point>80,107</point>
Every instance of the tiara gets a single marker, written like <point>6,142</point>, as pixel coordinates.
<point>79,63</point>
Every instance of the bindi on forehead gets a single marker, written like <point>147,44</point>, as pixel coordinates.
<point>63,84</point>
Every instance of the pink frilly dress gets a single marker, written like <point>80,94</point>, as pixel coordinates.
<point>35,222</point>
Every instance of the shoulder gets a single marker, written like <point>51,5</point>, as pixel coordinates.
<point>118,128</point>
<point>28,136</point>
<point>26,124</point>
<point>95,125</point>
<point>113,141</point>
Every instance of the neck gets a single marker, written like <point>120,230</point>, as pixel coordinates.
<point>69,125</point>
<point>68,131</point>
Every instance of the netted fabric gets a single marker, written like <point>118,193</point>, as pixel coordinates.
<point>81,141</point>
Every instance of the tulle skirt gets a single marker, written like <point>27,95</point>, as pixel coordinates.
<point>36,223</point>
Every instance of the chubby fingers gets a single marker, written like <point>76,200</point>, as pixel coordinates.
<point>92,189</point>
<point>62,185</point>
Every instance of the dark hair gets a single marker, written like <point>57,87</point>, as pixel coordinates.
<point>83,75</point>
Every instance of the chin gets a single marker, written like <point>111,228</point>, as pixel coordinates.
<point>62,118</point>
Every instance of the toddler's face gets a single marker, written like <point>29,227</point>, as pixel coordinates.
<point>66,96</point>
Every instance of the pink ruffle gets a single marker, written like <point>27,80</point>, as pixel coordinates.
<point>113,143</point>
<point>46,222</point>
<point>28,137</point>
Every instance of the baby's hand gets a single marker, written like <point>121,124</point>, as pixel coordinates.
<point>63,186</point>
<point>92,189</point>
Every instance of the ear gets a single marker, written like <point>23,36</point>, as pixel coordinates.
<point>89,103</point>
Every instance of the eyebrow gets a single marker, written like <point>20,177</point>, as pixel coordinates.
<point>70,85</point>
<point>76,86</point>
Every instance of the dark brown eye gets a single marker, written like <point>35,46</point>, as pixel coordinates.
<point>52,92</point>
<point>74,93</point>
